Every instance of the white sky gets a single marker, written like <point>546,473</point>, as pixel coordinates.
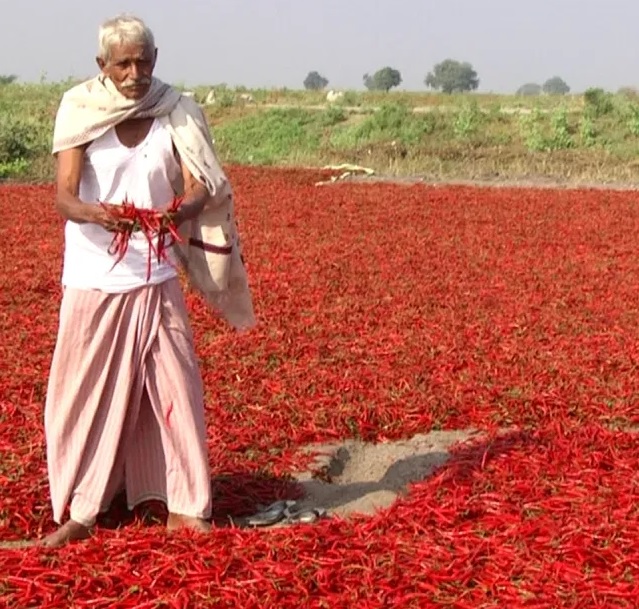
<point>273,43</point>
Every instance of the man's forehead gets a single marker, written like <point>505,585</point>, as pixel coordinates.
<point>118,52</point>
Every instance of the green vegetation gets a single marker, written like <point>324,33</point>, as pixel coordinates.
<point>591,137</point>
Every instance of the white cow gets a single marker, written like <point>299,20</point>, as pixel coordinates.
<point>333,96</point>
<point>188,93</point>
<point>247,98</point>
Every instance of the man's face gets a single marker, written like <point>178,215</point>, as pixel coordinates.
<point>130,67</point>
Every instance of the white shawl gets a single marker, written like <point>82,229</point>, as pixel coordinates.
<point>211,252</point>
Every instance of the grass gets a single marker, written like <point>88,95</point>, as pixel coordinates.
<point>580,138</point>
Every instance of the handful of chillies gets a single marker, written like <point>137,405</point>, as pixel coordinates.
<point>129,219</point>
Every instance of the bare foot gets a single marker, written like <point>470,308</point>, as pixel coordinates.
<point>68,532</point>
<point>177,521</point>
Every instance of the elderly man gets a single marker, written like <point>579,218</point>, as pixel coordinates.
<point>124,408</point>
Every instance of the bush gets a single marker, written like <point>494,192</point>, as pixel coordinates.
<point>561,137</point>
<point>587,131</point>
<point>537,137</point>
<point>468,120</point>
<point>21,140</point>
<point>633,120</point>
<point>598,102</point>
<point>396,122</point>
<point>333,115</point>
<point>270,136</point>
<point>391,122</point>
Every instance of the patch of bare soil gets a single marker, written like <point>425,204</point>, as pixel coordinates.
<point>360,478</point>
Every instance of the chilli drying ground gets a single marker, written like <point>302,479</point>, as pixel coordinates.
<point>385,311</point>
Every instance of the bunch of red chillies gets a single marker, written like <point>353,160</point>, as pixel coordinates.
<point>129,219</point>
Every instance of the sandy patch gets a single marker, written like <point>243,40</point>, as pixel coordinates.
<point>360,478</point>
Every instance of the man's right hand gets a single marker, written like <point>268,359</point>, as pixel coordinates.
<point>100,216</point>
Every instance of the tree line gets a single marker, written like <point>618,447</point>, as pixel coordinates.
<point>448,76</point>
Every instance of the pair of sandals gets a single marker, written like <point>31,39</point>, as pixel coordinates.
<point>283,512</point>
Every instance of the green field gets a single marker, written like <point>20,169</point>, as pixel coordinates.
<point>592,138</point>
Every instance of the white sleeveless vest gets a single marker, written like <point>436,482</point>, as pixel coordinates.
<point>113,172</point>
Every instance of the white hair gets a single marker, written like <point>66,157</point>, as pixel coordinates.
<point>123,29</point>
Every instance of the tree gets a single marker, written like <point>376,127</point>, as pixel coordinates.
<point>529,88</point>
<point>383,80</point>
<point>315,81</point>
<point>7,79</point>
<point>556,86</point>
<point>451,76</point>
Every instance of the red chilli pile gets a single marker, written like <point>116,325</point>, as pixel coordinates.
<point>385,311</point>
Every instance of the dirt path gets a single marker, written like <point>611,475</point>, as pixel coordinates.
<point>368,109</point>
<point>530,182</point>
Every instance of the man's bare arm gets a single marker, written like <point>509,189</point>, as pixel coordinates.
<point>195,196</point>
<point>70,207</point>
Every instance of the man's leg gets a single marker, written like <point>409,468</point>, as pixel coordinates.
<point>176,396</point>
<point>145,465</point>
<point>92,400</point>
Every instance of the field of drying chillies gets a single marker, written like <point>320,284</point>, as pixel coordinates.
<point>385,310</point>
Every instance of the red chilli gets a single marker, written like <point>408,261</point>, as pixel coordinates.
<point>129,219</point>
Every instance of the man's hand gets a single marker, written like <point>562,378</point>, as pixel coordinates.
<point>98,215</point>
<point>190,208</point>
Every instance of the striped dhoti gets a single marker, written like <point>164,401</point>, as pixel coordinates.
<point>125,405</point>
